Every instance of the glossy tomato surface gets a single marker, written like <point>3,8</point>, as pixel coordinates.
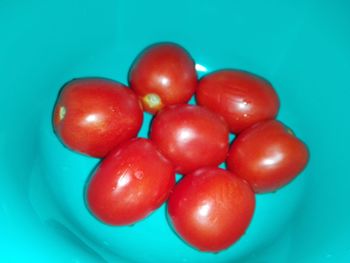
<point>211,208</point>
<point>130,183</point>
<point>93,115</point>
<point>163,74</point>
<point>190,137</point>
<point>240,97</point>
<point>267,155</point>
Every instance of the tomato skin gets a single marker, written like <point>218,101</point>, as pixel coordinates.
<point>211,208</point>
<point>242,98</point>
<point>93,115</point>
<point>130,183</point>
<point>268,156</point>
<point>163,74</point>
<point>190,137</point>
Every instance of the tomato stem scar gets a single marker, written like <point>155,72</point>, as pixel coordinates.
<point>152,100</point>
<point>290,131</point>
<point>62,113</point>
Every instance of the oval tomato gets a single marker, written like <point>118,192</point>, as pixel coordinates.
<point>190,137</point>
<point>164,74</point>
<point>268,156</point>
<point>211,208</point>
<point>93,115</point>
<point>240,97</point>
<point>130,183</point>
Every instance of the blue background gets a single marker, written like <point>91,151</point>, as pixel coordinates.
<point>302,47</point>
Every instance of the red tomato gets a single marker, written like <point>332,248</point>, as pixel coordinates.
<point>130,183</point>
<point>190,137</point>
<point>211,208</point>
<point>93,115</point>
<point>268,156</point>
<point>164,74</point>
<point>240,97</point>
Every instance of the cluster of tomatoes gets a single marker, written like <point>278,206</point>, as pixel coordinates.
<point>210,207</point>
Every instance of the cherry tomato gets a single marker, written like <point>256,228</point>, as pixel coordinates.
<point>190,137</point>
<point>164,74</point>
<point>130,183</point>
<point>240,97</point>
<point>211,208</point>
<point>93,115</point>
<point>268,155</point>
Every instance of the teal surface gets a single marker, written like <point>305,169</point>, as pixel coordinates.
<point>302,47</point>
